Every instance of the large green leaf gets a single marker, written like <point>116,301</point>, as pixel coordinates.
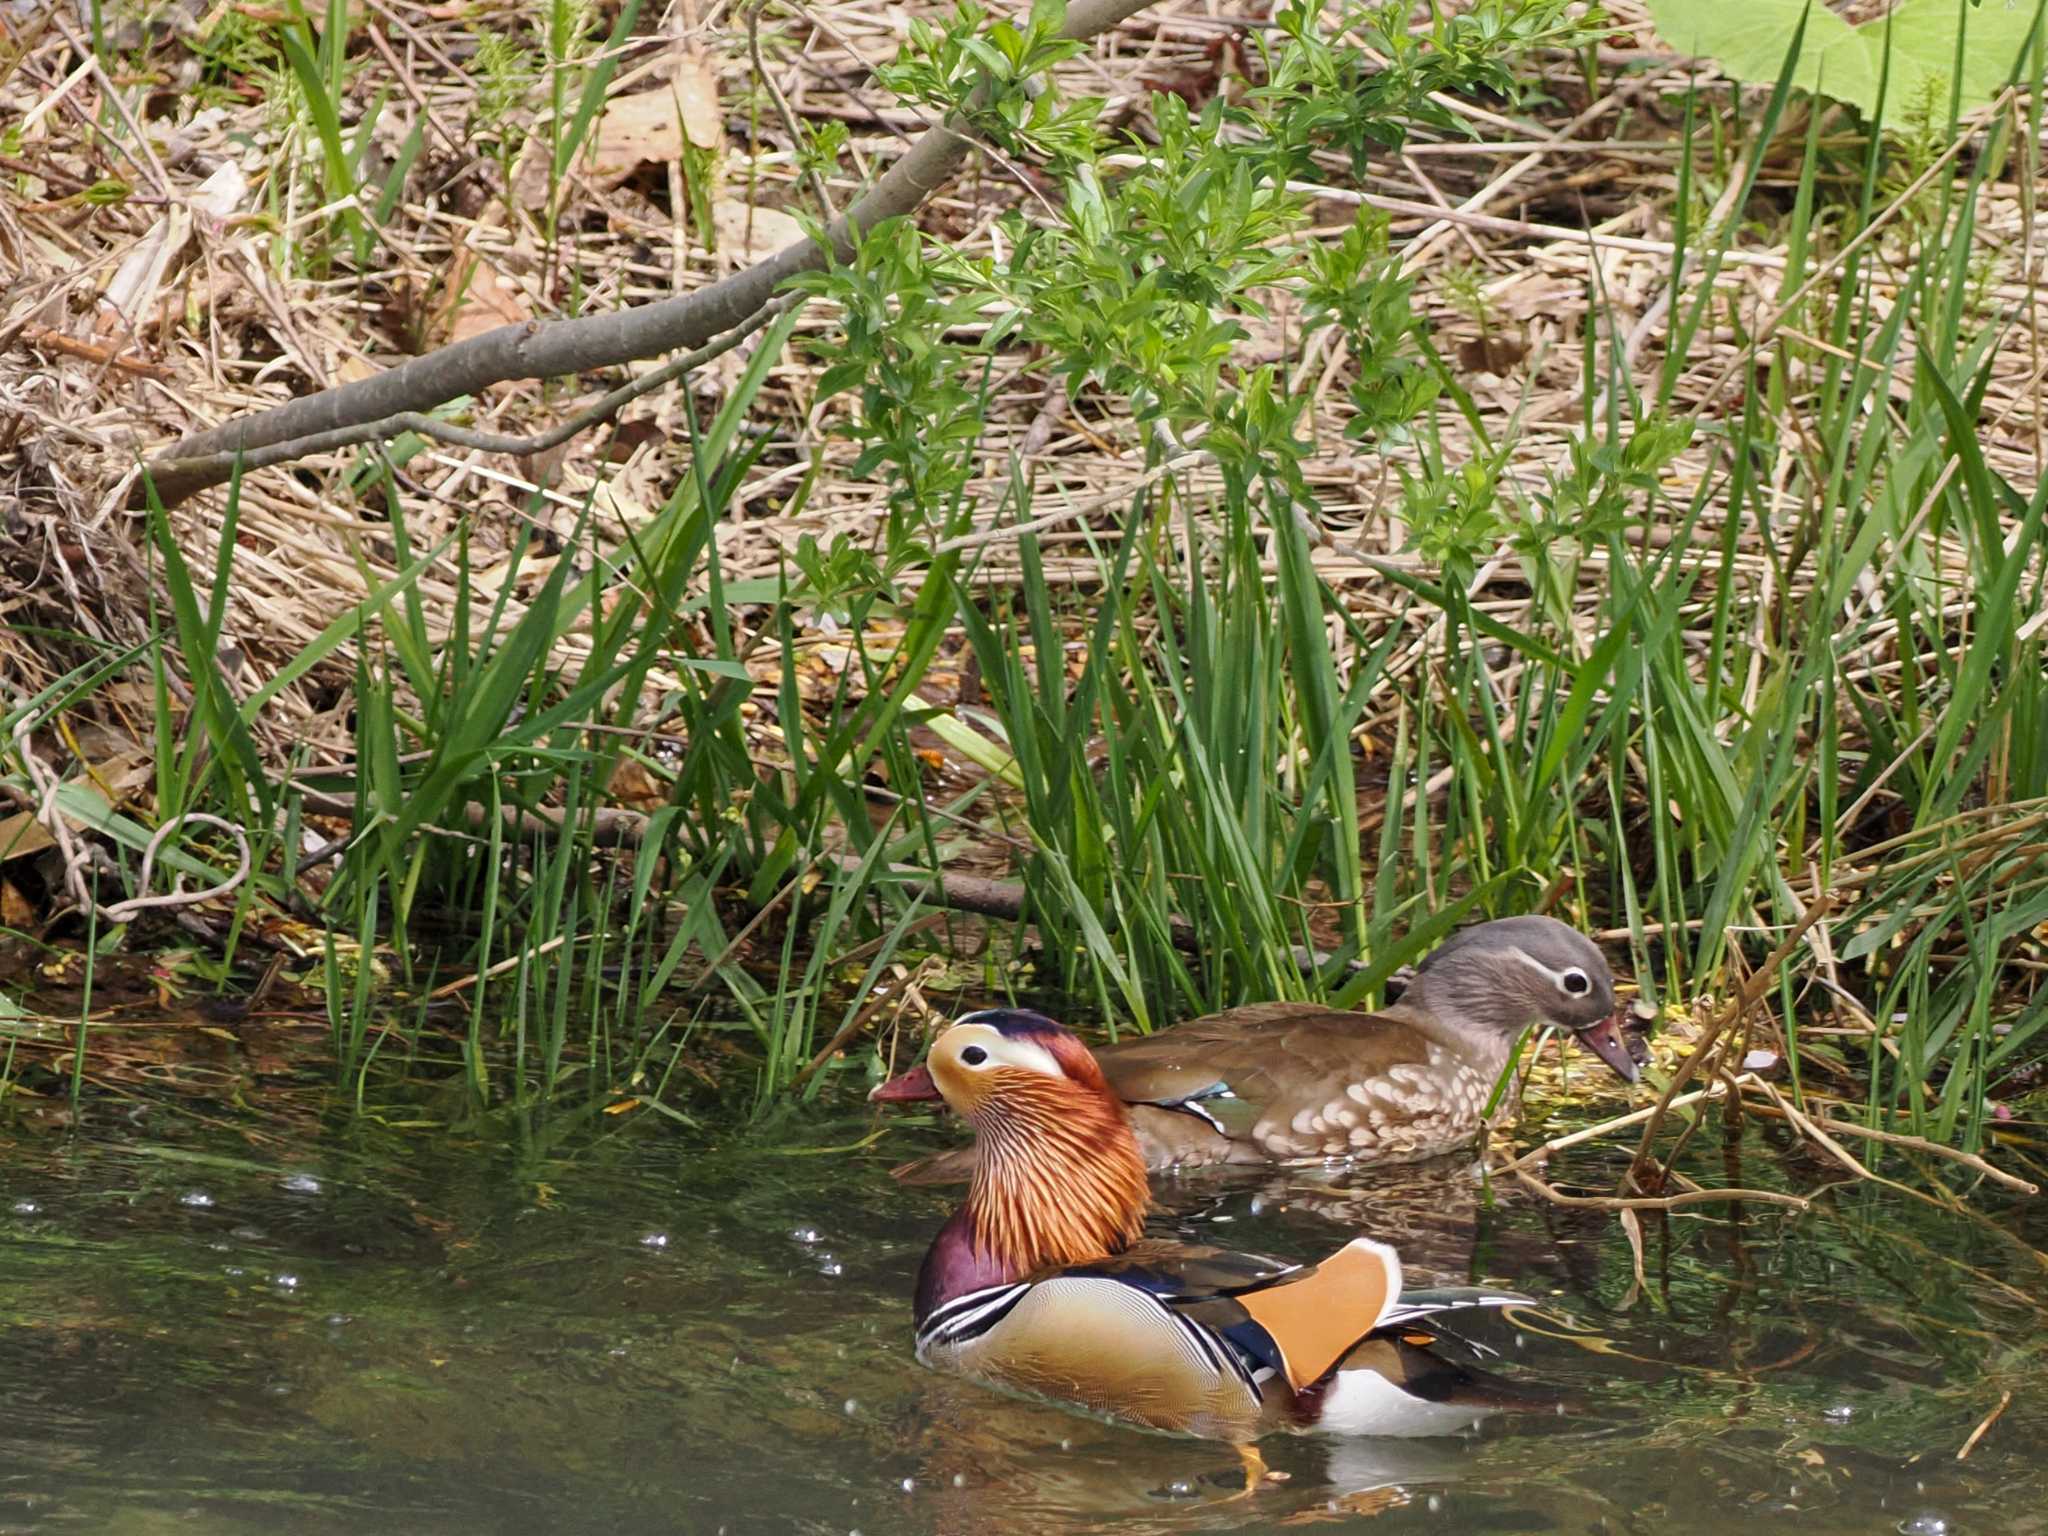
<point>1749,40</point>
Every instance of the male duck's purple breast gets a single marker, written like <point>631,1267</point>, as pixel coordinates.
<point>954,1266</point>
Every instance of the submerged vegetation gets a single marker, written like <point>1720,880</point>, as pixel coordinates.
<point>1235,575</point>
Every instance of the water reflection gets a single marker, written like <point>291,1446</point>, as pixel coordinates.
<point>356,1329</point>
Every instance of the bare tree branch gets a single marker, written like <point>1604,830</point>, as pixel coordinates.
<point>545,349</point>
<point>219,466</point>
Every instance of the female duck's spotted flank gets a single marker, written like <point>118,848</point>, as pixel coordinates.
<point>1276,1082</point>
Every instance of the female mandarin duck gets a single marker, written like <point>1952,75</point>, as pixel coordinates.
<point>1283,1081</point>
<point>1044,1283</point>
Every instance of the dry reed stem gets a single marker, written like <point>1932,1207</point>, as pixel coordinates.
<point>1819,1129</point>
<point>1752,991</point>
<point>1984,1425</point>
<point>1628,1203</point>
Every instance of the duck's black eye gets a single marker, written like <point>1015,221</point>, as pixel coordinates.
<point>1575,983</point>
<point>974,1056</point>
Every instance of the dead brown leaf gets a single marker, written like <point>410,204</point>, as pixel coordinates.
<point>747,234</point>
<point>478,298</point>
<point>696,85</point>
<point>653,127</point>
<point>21,835</point>
<point>16,910</point>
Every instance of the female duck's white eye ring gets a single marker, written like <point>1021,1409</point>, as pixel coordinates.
<point>973,1056</point>
<point>1574,982</point>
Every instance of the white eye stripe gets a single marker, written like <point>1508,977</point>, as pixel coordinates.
<point>1558,979</point>
<point>1001,1050</point>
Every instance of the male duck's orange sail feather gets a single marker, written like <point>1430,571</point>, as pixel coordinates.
<point>1315,1317</point>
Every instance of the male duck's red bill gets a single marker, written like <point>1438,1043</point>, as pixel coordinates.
<point>1044,1282</point>
<point>914,1085</point>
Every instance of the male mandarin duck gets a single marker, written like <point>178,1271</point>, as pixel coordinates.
<point>1043,1281</point>
<point>1274,1082</point>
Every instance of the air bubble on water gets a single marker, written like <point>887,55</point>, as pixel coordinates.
<point>233,1271</point>
<point>302,1184</point>
<point>617,1352</point>
<point>1181,1488</point>
<point>1066,1445</point>
<point>26,1207</point>
<point>852,1406</point>
<point>910,1485</point>
<point>654,1240</point>
<point>1258,1204</point>
<point>1840,1413</point>
<point>1924,1525</point>
<point>807,1235</point>
<point>827,1265</point>
<point>198,1199</point>
<point>959,1479</point>
<point>1435,1503</point>
<point>285,1282</point>
<point>339,1319</point>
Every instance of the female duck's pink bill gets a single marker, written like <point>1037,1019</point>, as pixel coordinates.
<point>1604,1039</point>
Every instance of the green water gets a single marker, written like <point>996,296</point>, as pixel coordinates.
<point>313,1324</point>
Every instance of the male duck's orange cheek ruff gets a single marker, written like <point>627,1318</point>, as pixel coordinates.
<point>1057,1178</point>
